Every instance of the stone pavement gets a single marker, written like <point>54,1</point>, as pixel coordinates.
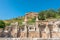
<point>29,39</point>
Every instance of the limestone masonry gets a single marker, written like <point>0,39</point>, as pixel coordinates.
<point>40,29</point>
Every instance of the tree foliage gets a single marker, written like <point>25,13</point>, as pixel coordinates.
<point>48,14</point>
<point>2,24</point>
<point>42,16</point>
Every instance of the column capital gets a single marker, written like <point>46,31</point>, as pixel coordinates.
<point>25,18</point>
<point>37,18</point>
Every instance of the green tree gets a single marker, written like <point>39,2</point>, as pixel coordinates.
<point>2,24</point>
<point>31,21</point>
<point>51,13</point>
<point>7,24</point>
<point>47,14</point>
<point>42,15</point>
<point>58,11</point>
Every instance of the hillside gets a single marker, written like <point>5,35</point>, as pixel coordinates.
<point>18,19</point>
<point>49,14</point>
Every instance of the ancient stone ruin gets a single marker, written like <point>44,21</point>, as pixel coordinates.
<point>40,29</point>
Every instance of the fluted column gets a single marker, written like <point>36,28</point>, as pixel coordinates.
<point>25,23</point>
<point>37,29</point>
<point>47,30</point>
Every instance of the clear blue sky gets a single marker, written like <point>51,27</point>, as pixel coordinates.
<point>14,8</point>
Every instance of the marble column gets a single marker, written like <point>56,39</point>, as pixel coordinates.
<point>47,30</point>
<point>37,29</point>
<point>25,23</point>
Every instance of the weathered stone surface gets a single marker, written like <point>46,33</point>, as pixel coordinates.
<point>23,35</point>
<point>33,34</point>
